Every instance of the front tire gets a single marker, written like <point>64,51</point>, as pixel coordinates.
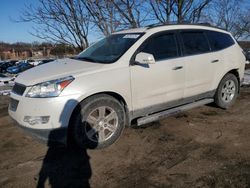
<point>227,91</point>
<point>99,122</point>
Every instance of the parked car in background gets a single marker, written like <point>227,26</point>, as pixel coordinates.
<point>20,61</point>
<point>19,68</point>
<point>5,65</point>
<point>32,62</point>
<point>44,61</point>
<point>12,61</point>
<point>5,79</point>
<point>247,54</point>
<point>137,75</point>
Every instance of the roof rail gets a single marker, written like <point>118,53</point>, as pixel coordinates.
<point>204,23</point>
<point>166,23</point>
<point>183,23</point>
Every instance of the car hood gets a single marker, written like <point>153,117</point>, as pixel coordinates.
<point>56,69</point>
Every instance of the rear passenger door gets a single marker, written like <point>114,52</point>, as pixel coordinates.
<point>220,44</point>
<point>198,60</point>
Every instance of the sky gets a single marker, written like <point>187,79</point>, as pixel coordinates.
<point>11,31</point>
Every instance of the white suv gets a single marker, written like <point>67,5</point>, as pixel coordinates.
<point>140,74</point>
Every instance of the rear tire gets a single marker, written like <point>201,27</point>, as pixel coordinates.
<point>227,91</point>
<point>99,122</point>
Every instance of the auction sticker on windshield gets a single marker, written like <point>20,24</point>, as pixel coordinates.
<point>131,36</point>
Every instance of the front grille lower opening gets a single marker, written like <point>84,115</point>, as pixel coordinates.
<point>18,89</point>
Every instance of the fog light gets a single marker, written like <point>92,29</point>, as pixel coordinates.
<point>33,120</point>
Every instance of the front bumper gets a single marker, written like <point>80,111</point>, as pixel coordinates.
<point>47,136</point>
<point>58,109</point>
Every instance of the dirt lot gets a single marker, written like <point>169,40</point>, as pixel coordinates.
<point>204,147</point>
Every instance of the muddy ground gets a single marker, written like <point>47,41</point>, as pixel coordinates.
<point>204,147</point>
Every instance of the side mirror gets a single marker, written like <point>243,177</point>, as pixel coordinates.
<point>144,58</point>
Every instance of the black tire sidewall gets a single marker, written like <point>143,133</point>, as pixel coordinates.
<point>218,98</point>
<point>86,107</point>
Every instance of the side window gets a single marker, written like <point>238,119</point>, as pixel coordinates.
<point>194,42</point>
<point>162,47</point>
<point>219,41</point>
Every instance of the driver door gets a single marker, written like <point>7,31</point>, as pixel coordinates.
<point>155,86</point>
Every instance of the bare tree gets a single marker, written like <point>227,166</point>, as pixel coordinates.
<point>131,12</point>
<point>225,12</point>
<point>69,21</point>
<point>103,15</point>
<point>62,21</point>
<point>189,10</point>
<point>162,10</point>
<point>243,26</point>
<point>111,15</point>
<point>233,16</point>
<point>165,11</point>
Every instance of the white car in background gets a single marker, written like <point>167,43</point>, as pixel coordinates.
<point>6,80</point>
<point>33,62</point>
<point>30,61</point>
<point>137,75</point>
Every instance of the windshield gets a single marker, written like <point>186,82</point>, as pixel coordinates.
<point>109,49</point>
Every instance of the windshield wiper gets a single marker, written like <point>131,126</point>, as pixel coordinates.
<point>86,59</point>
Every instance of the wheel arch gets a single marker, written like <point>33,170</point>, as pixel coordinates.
<point>110,93</point>
<point>234,72</point>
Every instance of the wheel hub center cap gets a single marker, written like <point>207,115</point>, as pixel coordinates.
<point>100,123</point>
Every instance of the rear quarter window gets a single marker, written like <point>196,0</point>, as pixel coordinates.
<point>219,41</point>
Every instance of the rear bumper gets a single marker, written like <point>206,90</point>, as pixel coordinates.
<point>46,136</point>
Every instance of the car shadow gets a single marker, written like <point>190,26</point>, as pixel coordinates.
<point>64,166</point>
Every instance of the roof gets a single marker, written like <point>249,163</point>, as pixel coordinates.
<point>158,27</point>
<point>183,24</point>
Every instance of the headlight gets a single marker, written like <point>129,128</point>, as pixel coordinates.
<point>51,88</point>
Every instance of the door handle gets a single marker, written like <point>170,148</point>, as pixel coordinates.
<point>178,68</point>
<point>215,61</point>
